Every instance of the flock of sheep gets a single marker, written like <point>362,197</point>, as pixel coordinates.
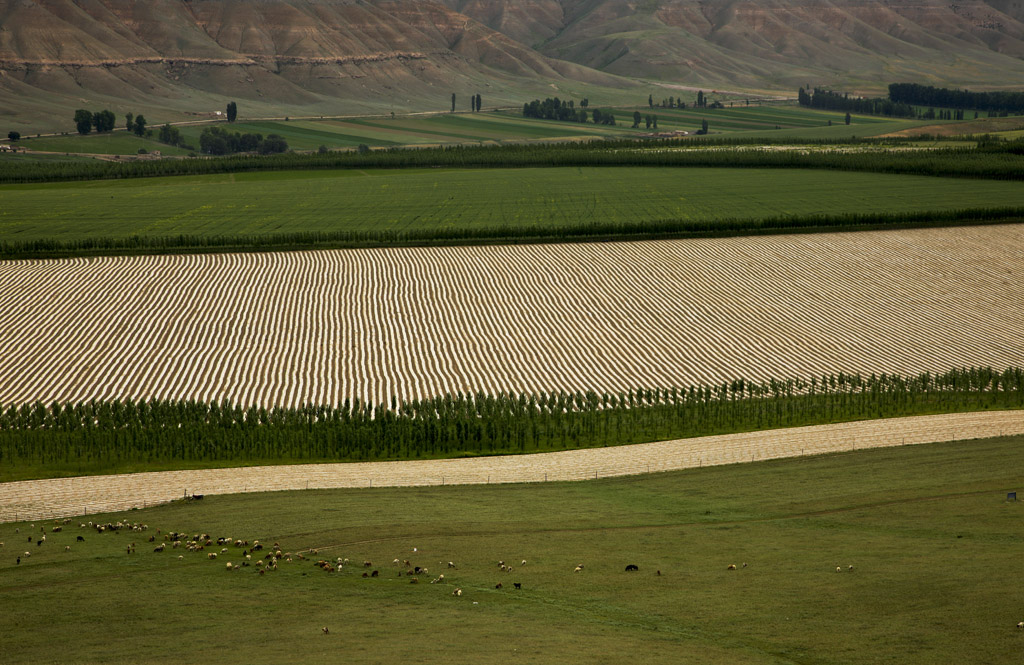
<point>263,559</point>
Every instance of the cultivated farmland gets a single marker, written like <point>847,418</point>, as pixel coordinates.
<point>292,328</point>
<point>414,200</point>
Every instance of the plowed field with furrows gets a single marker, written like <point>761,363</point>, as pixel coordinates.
<point>288,328</point>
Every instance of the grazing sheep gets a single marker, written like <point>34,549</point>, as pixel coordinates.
<point>27,554</point>
<point>839,569</point>
<point>744,565</point>
<point>19,561</point>
<point>438,580</point>
<point>498,585</point>
<point>632,567</point>
<point>395,562</point>
<point>229,566</point>
<point>67,548</point>
<point>414,580</point>
<point>578,568</point>
<point>659,573</point>
<point>180,557</point>
<point>366,574</point>
<point>369,564</point>
<point>517,585</point>
<point>325,631</point>
<point>375,573</point>
<point>523,563</point>
<point>56,529</point>
<point>451,565</point>
<point>212,555</point>
<point>732,566</point>
<point>457,592</point>
<point>850,568</point>
<point>80,539</point>
<point>159,548</point>
<point>1020,624</point>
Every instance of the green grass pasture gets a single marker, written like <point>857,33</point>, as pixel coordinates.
<point>935,548</point>
<point>282,202</point>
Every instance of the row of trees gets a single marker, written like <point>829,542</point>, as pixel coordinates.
<point>836,101</point>
<point>926,95</point>
<point>567,111</point>
<point>106,434</point>
<point>220,141</point>
<point>105,121</point>
<point>651,121</point>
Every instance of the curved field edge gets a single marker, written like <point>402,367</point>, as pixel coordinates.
<point>927,529</point>
<point>44,499</point>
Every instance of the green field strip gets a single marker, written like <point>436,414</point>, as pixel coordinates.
<point>299,201</point>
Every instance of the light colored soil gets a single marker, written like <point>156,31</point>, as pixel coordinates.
<point>43,499</point>
<point>323,327</point>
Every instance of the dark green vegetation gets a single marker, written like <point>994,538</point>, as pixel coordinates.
<point>358,207</point>
<point>935,550</point>
<point>991,160</point>
<point>103,437</point>
<point>927,95</point>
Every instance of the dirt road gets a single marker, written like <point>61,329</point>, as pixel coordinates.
<point>42,499</point>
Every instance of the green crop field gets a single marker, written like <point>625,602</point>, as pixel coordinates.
<point>934,546</point>
<point>281,202</point>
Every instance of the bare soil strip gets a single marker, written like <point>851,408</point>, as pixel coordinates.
<point>44,499</point>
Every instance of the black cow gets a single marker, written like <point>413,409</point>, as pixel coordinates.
<point>631,567</point>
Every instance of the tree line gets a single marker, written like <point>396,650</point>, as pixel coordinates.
<point>927,95</point>
<point>220,141</point>
<point>105,121</point>
<point>566,110</point>
<point>100,436</point>
<point>839,101</point>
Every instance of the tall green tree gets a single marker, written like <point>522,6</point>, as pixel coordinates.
<point>140,125</point>
<point>453,102</point>
<point>650,101</point>
<point>636,119</point>
<point>232,111</point>
<point>104,120</point>
<point>847,117</point>
<point>83,121</point>
<point>14,137</point>
<point>129,121</point>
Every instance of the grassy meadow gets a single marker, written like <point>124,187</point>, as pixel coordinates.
<point>935,550</point>
<point>445,199</point>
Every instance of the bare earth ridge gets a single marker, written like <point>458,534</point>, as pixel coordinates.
<point>62,497</point>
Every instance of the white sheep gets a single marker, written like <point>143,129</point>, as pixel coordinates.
<point>1020,624</point>
<point>578,568</point>
<point>229,566</point>
<point>839,569</point>
<point>457,592</point>
<point>523,563</point>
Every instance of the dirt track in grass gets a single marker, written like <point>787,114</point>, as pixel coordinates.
<point>43,499</point>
